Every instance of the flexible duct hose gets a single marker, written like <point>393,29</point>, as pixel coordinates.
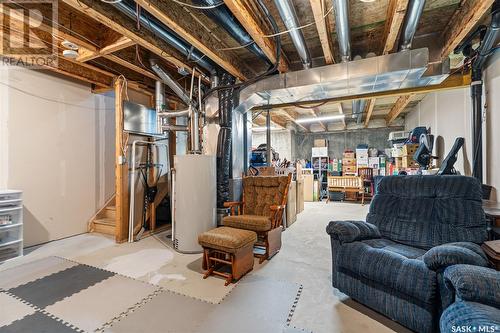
<point>224,140</point>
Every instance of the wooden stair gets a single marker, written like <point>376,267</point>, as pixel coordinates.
<point>104,221</point>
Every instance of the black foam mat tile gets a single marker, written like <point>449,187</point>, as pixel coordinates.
<point>37,322</point>
<point>57,286</point>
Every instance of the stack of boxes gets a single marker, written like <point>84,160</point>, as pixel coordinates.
<point>407,160</point>
<point>348,163</point>
<point>362,159</point>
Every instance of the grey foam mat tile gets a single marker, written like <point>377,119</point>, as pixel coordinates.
<point>12,309</point>
<point>37,322</point>
<point>92,308</point>
<point>22,274</point>
<point>166,312</point>
<point>57,286</point>
<point>257,304</point>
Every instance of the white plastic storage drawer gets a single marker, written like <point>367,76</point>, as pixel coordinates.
<point>10,216</point>
<point>10,251</point>
<point>10,195</point>
<point>11,233</point>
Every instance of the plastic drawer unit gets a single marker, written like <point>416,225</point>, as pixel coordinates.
<point>11,224</point>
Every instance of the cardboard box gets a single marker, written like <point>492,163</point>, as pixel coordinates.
<point>319,151</point>
<point>349,154</point>
<point>320,143</point>
<point>398,162</point>
<point>397,152</point>
<point>350,169</point>
<point>409,162</point>
<point>362,161</point>
<point>308,187</point>
<point>348,161</point>
<point>410,149</point>
<point>291,204</point>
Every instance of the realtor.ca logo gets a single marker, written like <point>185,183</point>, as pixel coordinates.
<point>28,29</point>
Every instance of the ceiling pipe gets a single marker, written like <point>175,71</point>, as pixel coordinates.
<point>150,23</point>
<point>289,17</point>
<point>170,82</point>
<point>224,18</point>
<point>342,27</point>
<point>413,14</point>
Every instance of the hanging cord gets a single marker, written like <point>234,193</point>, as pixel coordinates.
<point>199,7</point>
<point>124,88</point>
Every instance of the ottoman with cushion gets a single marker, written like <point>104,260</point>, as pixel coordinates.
<point>227,246</point>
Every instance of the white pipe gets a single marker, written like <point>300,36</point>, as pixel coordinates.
<point>132,186</point>
<point>172,205</point>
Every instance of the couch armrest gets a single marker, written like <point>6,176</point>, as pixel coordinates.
<point>442,256</point>
<point>350,231</point>
<point>473,283</point>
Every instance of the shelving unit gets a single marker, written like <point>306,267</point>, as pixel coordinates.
<point>11,225</point>
<point>319,161</point>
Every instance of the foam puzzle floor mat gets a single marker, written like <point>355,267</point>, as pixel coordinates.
<point>58,295</point>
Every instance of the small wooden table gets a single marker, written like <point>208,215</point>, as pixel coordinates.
<point>492,250</point>
<point>492,211</point>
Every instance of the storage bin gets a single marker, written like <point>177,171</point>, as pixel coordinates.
<point>11,251</point>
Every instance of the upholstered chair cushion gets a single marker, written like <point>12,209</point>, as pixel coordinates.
<point>248,222</point>
<point>227,239</point>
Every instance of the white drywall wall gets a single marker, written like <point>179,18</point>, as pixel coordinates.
<point>449,115</point>
<point>60,152</point>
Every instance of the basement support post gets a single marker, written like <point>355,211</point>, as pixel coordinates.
<point>269,155</point>
<point>121,166</point>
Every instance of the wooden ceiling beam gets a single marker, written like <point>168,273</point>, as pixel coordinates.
<point>131,66</point>
<point>293,119</point>
<point>113,19</point>
<point>396,10</point>
<point>464,20</point>
<point>369,110</point>
<point>173,16</point>
<point>318,9</point>
<point>341,111</point>
<point>398,107</point>
<point>120,44</point>
<point>267,45</point>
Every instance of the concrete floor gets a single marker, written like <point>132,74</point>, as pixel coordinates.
<point>305,258</point>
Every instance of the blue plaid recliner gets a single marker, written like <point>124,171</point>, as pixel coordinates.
<point>416,227</point>
<point>475,293</point>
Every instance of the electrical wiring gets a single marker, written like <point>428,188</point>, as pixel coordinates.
<point>199,7</point>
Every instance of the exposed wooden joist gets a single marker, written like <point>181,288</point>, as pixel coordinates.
<point>131,66</point>
<point>239,10</point>
<point>462,23</point>
<point>318,9</point>
<point>341,111</point>
<point>173,16</point>
<point>86,55</point>
<point>369,110</point>
<point>452,82</point>
<point>315,113</point>
<point>396,10</point>
<point>108,16</point>
<point>293,119</point>
<point>398,107</point>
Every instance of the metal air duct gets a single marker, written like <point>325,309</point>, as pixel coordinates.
<point>170,82</point>
<point>289,17</point>
<point>159,29</point>
<point>223,17</point>
<point>342,28</point>
<point>415,9</point>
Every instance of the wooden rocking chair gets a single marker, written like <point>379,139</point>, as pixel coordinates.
<point>264,201</point>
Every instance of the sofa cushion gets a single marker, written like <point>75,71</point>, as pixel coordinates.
<point>397,268</point>
<point>426,211</point>
<point>248,222</point>
<point>483,318</point>
<point>227,239</point>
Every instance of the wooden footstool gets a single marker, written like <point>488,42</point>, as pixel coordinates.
<point>227,246</point>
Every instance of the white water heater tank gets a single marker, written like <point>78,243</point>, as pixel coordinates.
<point>194,200</point>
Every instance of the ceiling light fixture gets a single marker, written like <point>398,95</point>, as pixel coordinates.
<point>264,128</point>
<point>71,54</point>
<point>367,0</point>
<point>69,45</point>
<point>324,118</point>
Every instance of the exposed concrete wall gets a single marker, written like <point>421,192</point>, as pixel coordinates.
<point>60,151</point>
<point>339,141</point>
<point>281,142</point>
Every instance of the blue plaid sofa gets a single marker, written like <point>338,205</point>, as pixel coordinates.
<point>417,226</point>
<point>475,292</point>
